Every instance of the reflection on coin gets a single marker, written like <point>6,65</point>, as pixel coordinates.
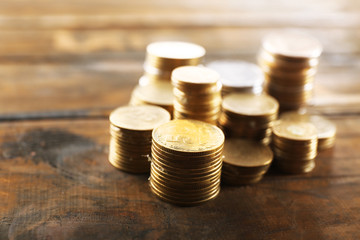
<point>175,50</point>
<point>188,136</point>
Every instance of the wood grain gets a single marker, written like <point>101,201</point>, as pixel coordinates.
<point>64,65</point>
<point>57,184</point>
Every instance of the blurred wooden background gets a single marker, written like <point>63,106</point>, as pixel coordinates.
<point>64,64</point>
<point>62,50</point>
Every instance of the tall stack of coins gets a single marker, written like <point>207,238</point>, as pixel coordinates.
<point>238,76</point>
<point>248,116</point>
<point>295,146</point>
<point>326,130</point>
<point>245,162</point>
<point>289,60</point>
<point>186,161</point>
<point>197,93</point>
<point>163,57</point>
<point>130,129</point>
<point>157,93</point>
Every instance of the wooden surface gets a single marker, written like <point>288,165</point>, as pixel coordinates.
<point>65,64</point>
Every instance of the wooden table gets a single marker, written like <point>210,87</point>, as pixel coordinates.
<point>66,64</point>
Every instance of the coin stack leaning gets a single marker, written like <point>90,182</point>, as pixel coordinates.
<point>295,146</point>
<point>289,60</point>
<point>248,116</point>
<point>157,93</point>
<point>238,76</point>
<point>163,57</point>
<point>186,161</point>
<point>130,129</point>
<point>326,130</point>
<point>197,93</point>
<point>245,161</point>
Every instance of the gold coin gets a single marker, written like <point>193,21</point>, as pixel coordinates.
<point>292,44</point>
<point>245,153</point>
<point>238,75</point>
<point>175,50</point>
<point>188,136</point>
<point>298,131</point>
<point>275,62</point>
<point>159,93</point>
<point>325,128</point>
<point>139,118</point>
<point>249,104</point>
<point>195,75</point>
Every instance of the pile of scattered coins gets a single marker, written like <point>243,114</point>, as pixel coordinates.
<point>189,156</point>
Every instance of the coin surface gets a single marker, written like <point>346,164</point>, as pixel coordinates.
<point>195,75</point>
<point>139,118</point>
<point>324,127</point>
<point>295,130</point>
<point>245,153</point>
<point>188,136</point>
<point>250,104</point>
<point>292,43</point>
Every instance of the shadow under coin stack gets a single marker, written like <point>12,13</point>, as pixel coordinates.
<point>163,57</point>
<point>186,162</point>
<point>326,130</point>
<point>248,116</point>
<point>238,76</point>
<point>197,93</point>
<point>245,162</point>
<point>289,60</point>
<point>130,143</point>
<point>157,93</point>
<point>295,146</point>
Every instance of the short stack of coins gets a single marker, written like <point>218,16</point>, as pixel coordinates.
<point>289,60</point>
<point>197,93</point>
<point>248,116</point>
<point>163,57</point>
<point>130,129</point>
<point>186,161</point>
<point>295,146</point>
<point>238,76</point>
<point>157,93</point>
<point>245,161</point>
<point>326,130</point>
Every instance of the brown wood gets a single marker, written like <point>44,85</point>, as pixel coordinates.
<point>64,65</point>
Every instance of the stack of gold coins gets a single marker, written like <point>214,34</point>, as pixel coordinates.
<point>248,116</point>
<point>186,161</point>
<point>157,93</point>
<point>289,60</point>
<point>197,93</point>
<point>326,130</point>
<point>238,76</point>
<point>130,130</point>
<point>245,162</point>
<point>295,146</point>
<point>163,57</point>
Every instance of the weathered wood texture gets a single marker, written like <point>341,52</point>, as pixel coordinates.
<point>56,183</point>
<point>65,64</point>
